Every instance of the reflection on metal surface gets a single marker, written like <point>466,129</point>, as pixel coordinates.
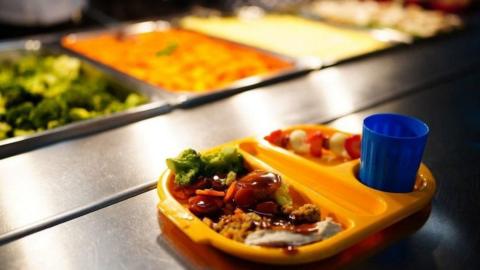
<point>352,123</point>
<point>256,112</point>
<point>338,95</point>
<point>26,193</point>
<point>29,201</point>
<point>121,236</point>
<point>441,228</point>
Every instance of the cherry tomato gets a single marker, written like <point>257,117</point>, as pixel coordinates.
<point>352,145</point>
<point>316,143</point>
<point>277,137</point>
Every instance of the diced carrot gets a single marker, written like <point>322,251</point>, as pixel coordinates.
<point>210,192</point>
<point>230,191</point>
<point>178,60</point>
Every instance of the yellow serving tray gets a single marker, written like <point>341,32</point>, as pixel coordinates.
<point>361,210</point>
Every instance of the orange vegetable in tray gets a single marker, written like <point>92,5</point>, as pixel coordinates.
<point>177,60</point>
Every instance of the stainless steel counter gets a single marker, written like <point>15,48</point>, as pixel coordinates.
<point>127,235</point>
<point>78,176</point>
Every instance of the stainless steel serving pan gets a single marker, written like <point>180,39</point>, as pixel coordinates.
<point>156,105</point>
<point>188,98</point>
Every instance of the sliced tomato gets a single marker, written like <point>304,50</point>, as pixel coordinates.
<point>352,145</point>
<point>315,140</point>
<point>277,137</point>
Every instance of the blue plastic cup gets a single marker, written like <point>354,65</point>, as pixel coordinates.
<point>392,149</point>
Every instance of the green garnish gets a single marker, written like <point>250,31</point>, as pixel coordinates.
<point>168,50</point>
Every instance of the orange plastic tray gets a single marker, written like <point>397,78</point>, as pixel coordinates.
<point>361,210</point>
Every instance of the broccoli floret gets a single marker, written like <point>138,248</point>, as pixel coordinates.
<point>189,165</point>
<point>22,132</point>
<point>228,159</point>
<point>3,104</point>
<point>79,114</point>
<point>14,95</point>
<point>4,129</point>
<point>65,66</point>
<point>27,65</point>
<point>44,92</point>
<point>114,106</point>
<point>57,88</point>
<point>18,116</point>
<point>6,76</point>
<point>101,101</point>
<point>47,110</point>
<point>54,123</point>
<point>77,96</point>
<point>134,100</point>
<point>185,166</point>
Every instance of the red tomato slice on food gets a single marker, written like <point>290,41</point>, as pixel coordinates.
<point>352,145</point>
<point>277,137</point>
<point>316,143</point>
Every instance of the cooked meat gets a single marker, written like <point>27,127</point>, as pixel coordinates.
<point>238,225</point>
<point>307,213</point>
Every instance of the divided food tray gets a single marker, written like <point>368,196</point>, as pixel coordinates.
<point>156,105</point>
<point>360,210</point>
<point>187,97</point>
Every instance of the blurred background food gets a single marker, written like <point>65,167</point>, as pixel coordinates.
<point>41,92</point>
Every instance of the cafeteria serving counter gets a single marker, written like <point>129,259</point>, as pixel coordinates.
<point>87,203</point>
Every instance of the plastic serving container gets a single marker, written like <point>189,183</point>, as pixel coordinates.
<point>361,210</point>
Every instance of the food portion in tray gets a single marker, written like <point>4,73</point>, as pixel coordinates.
<point>176,59</point>
<point>263,203</point>
<point>245,204</point>
<point>289,35</point>
<point>411,19</point>
<point>324,146</point>
<point>40,92</point>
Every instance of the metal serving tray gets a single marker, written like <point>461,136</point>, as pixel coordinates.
<point>11,146</point>
<point>188,98</point>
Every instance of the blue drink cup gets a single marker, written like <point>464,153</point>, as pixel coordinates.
<point>392,149</point>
